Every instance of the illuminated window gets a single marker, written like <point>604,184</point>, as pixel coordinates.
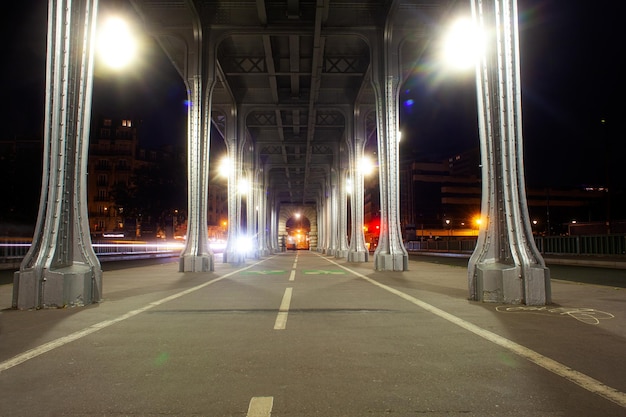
<point>107,122</point>
<point>126,123</point>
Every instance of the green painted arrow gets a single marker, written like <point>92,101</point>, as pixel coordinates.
<point>323,272</point>
<point>270,272</point>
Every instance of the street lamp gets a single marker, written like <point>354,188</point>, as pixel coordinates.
<point>463,44</point>
<point>366,166</point>
<point>225,167</point>
<point>243,186</point>
<point>116,44</point>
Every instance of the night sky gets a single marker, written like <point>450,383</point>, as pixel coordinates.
<point>572,78</point>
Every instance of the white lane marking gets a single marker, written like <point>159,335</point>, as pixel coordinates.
<point>578,378</point>
<point>293,275</point>
<point>260,407</point>
<point>283,311</point>
<point>47,347</point>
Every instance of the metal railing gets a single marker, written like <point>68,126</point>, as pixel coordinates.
<point>601,245</point>
<point>12,251</point>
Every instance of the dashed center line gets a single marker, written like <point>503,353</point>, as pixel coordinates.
<point>293,275</point>
<point>283,311</point>
<point>260,407</point>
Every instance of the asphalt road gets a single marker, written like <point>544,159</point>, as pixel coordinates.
<point>303,335</point>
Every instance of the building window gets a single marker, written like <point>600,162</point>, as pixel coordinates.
<point>126,123</point>
<point>107,122</point>
<point>103,164</point>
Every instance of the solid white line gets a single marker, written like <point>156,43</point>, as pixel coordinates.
<point>47,347</point>
<point>293,275</point>
<point>260,407</point>
<point>283,311</point>
<point>578,378</point>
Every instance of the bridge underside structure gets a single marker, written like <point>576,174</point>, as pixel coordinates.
<point>296,89</point>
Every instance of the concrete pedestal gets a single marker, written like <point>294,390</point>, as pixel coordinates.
<point>501,283</point>
<point>391,262</point>
<point>193,263</point>
<point>70,286</point>
<point>360,256</point>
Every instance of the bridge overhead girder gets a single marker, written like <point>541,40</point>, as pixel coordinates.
<point>295,70</point>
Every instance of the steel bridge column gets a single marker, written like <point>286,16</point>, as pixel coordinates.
<point>196,256</point>
<point>274,245</point>
<point>251,200</point>
<point>342,215</point>
<point>324,216</point>
<point>333,215</point>
<point>262,238</point>
<point>61,268</point>
<point>390,255</point>
<point>506,266</point>
<point>231,254</point>
<point>358,251</point>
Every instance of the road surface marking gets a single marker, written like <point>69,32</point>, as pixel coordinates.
<point>578,378</point>
<point>53,344</point>
<point>260,407</point>
<point>293,275</point>
<point>268,272</point>
<point>283,311</point>
<point>323,272</point>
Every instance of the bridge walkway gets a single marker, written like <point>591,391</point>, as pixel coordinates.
<point>300,334</point>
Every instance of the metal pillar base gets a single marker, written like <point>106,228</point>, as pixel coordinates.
<point>360,256</point>
<point>391,262</point>
<point>341,254</point>
<point>70,286</point>
<point>235,258</point>
<point>537,286</point>
<point>499,283</point>
<point>196,263</point>
<point>502,283</point>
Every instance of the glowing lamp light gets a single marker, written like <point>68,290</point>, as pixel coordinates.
<point>244,186</point>
<point>463,44</point>
<point>225,167</point>
<point>116,44</point>
<point>366,166</point>
<point>244,244</point>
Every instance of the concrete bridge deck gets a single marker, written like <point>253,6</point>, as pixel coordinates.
<point>300,334</point>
